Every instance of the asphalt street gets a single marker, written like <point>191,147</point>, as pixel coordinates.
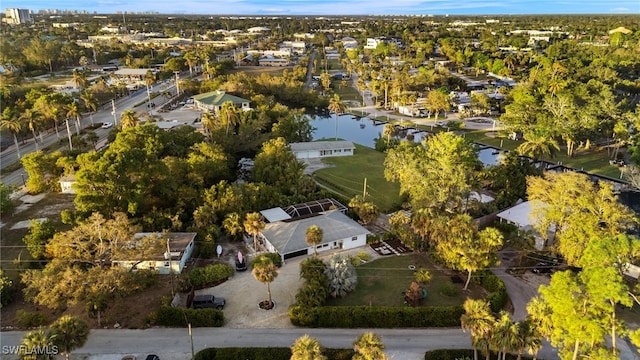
<point>104,114</point>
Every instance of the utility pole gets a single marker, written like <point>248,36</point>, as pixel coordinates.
<point>113,112</point>
<point>177,85</point>
<point>364,190</point>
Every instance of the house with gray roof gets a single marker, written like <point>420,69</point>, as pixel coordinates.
<point>212,101</point>
<point>287,236</point>
<point>320,149</point>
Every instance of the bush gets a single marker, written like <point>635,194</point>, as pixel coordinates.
<point>207,276</point>
<point>28,319</point>
<point>313,269</point>
<point>455,354</point>
<point>375,317</point>
<point>275,353</point>
<point>449,289</point>
<point>360,258</point>
<point>498,296</point>
<point>180,317</point>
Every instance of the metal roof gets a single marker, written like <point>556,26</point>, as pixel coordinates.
<point>314,207</point>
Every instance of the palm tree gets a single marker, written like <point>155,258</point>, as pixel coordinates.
<point>537,145</point>
<point>14,126</point>
<point>504,335</point>
<point>369,346</point>
<point>80,78</point>
<point>479,321</point>
<point>265,271</point>
<point>337,107</point>
<point>90,103</point>
<point>314,237</point>
<point>422,223</point>
<point>31,117</point>
<point>228,115</point>
<point>69,333</point>
<point>149,80</point>
<point>37,339</point>
<point>191,58</point>
<point>73,111</point>
<point>306,348</point>
<point>129,118</point>
<point>253,225</point>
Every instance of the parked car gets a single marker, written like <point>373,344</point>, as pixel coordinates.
<point>107,125</point>
<point>207,302</point>
<point>542,268</point>
<point>152,357</point>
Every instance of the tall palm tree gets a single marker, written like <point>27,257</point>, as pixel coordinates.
<point>537,144</point>
<point>228,115</point>
<point>369,346</point>
<point>149,80</point>
<point>478,320</point>
<point>253,225</point>
<point>208,121</point>
<point>90,103</point>
<point>13,125</point>
<point>337,107</point>
<point>74,111</point>
<point>37,339</point>
<point>129,118</point>
<point>69,333</point>
<point>314,236</point>
<point>504,335</point>
<point>265,271</point>
<point>306,348</point>
<point>32,117</point>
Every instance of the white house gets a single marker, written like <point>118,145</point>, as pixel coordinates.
<point>174,258</point>
<point>320,149</point>
<point>521,216</point>
<point>287,236</point>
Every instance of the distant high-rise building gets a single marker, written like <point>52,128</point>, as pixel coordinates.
<point>18,16</point>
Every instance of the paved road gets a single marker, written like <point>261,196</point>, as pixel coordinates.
<point>174,344</point>
<point>104,114</point>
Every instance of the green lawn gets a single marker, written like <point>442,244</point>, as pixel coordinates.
<point>381,283</point>
<point>594,161</point>
<point>348,174</point>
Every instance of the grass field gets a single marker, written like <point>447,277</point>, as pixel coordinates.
<point>348,174</point>
<point>381,283</point>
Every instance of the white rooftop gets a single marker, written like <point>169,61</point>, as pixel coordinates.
<point>275,214</point>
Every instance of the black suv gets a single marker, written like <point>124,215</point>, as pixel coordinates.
<point>208,302</point>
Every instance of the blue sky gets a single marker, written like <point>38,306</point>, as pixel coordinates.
<point>339,7</point>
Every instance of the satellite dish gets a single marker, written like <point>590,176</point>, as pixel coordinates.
<point>219,250</point>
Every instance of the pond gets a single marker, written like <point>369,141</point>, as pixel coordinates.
<point>364,131</point>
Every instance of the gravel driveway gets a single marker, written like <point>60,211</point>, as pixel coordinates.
<point>243,292</point>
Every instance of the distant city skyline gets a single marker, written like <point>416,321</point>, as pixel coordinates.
<point>337,7</point>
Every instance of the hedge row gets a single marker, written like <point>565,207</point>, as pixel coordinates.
<point>498,296</point>
<point>207,276</point>
<point>275,353</point>
<point>180,317</point>
<point>456,354</point>
<point>389,317</point>
<point>375,317</point>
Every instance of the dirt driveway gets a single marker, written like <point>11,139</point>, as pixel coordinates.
<point>243,292</point>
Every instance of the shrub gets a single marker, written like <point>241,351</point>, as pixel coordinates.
<point>375,317</point>
<point>422,275</point>
<point>498,296</point>
<point>449,289</point>
<point>360,258</point>
<point>274,353</point>
<point>205,277</point>
<point>6,290</point>
<point>180,317</point>
<point>28,319</point>
<point>455,354</point>
<point>313,269</point>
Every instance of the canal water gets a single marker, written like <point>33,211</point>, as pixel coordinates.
<point>364,131</point>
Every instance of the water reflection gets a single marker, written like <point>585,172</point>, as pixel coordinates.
<point>360,130</point>
<point>364,131</point>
